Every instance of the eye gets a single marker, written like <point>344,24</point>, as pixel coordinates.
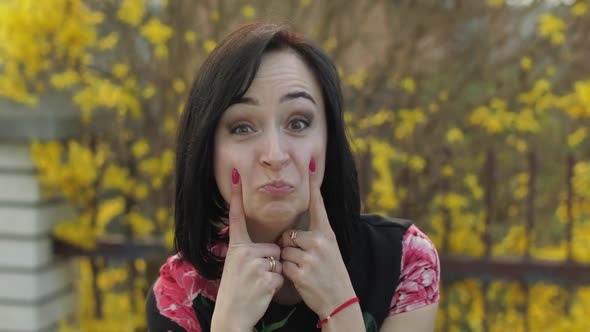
<point>298,124</point>
<point>241,129</point>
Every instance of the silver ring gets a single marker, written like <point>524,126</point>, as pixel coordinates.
<point>273,263</point>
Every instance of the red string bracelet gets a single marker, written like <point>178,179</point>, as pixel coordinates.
<point>340,308</point>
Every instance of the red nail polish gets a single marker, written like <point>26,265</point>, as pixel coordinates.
<point>235,176</point>
<point>312,165</point>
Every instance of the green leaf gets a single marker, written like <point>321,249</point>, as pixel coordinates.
<point>370,324</point>
<point>208,304</point>
<point>278,325</point>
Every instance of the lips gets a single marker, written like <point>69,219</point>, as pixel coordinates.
<point>277,187</point>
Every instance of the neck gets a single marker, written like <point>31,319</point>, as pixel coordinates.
<point>287,294</point>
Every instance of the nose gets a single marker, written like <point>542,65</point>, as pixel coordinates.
<point>274,156</point>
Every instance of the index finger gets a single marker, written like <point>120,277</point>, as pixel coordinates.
<point>317,211</point>
<point>238,232</point>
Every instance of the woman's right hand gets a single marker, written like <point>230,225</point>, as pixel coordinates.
<point>247,284</point>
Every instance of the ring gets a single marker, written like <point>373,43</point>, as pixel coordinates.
<point>293,236</point>
<point>273,263</point>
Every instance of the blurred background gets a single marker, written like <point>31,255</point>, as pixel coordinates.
<point>468,116</point>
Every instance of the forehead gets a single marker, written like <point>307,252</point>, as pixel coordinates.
<point>283,70</point>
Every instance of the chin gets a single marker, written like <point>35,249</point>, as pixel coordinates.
<point>282,214</point>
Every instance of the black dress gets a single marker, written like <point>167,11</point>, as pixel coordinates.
<point>373,267</point>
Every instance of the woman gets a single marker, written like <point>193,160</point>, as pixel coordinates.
<point>268,233</point>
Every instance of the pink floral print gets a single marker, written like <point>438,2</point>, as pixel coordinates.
<point>179,284</point>
<point>419,276</point>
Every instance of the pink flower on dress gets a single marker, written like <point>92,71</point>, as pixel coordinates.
<point>179,284</point>
<point>420,273</point>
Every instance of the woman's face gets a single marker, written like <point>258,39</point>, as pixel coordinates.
<point>270,136</point>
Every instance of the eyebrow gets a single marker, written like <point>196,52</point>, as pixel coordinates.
<point>289,96</point>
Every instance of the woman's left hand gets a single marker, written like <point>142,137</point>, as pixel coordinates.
<point>312,260</point>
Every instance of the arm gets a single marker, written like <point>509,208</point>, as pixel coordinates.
<point>349,319</point>
<point>419,320</point>
<point>415,302</point>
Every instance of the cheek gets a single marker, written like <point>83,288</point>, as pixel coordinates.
<point>223,166</point>
<point>304,155</point>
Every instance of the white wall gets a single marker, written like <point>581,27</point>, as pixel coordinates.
<point>36,288</point>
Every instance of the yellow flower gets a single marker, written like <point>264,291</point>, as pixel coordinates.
<point>215,16</point>
<point>409,85</point>
<point>526,63</point>
<point>107,211</point>
<point>448,171</point>
<point>170,124</point>
<point>330,44</point>
<point>190,36</point>
<point>65,80</point>
<point>140,225</point>
<point>248,11</point>
<point>169,238</point>
<point>383,191</point>
<point>131,12</point>
<point>149,91</point>
<point>374,120</point>
<point>161,51</point>
<point>179,86</point>
<point>514,242</point>
<point>417,163</point>
<point>409,120</point>
<point>109,41</point>
<point>577,137</point>
<point>579,9</point>
<point>454,135</point>
<point>140,265</point>
<point>156,32</point>
<point>472,183</point>
<point>525,121</point>
<point>305,3</point>
<point>140,148</point>
<point>443,95</point>
<point>141,191</point>
<point>552,27</point>
<point>357,80</point>
<point>209,45</point>
<point>161,215</point>
<point>120,70</point>
<point>150,166</point>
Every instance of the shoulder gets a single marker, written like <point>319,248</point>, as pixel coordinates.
<point>419,275</point>
<point>171,297</point>
<point>375,220</point>
<point>418,247</point>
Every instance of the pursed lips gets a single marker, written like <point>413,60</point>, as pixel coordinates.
<point>277,187</point>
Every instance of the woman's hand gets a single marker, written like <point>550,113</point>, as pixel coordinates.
<point>312,260</point>
<point>247,284</point>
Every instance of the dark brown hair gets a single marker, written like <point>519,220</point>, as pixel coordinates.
<point>224,77</point>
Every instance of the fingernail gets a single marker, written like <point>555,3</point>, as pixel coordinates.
<point>312,165</point>
<point>235,176</point>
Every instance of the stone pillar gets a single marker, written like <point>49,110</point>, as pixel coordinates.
<point>36,287</point>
